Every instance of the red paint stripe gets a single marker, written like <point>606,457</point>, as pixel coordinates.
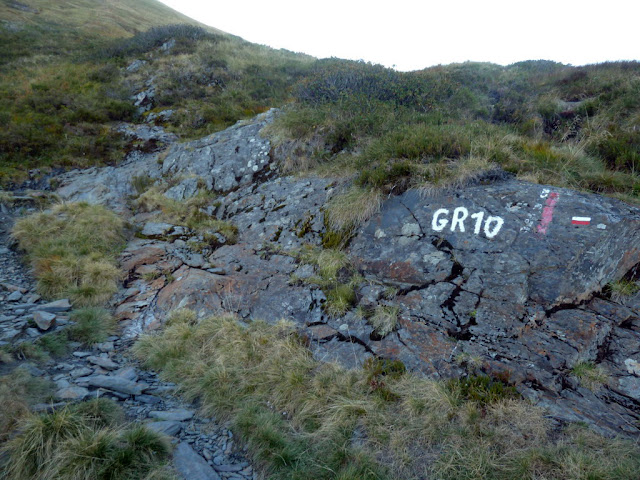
<point>579,222</point>
<point>547,213</point>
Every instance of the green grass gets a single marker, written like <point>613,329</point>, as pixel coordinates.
<point>187,213</point>
<point>73,249</point>
<point>623,289</point>
<point>63,82</point>
<point>446,126</point>
<point>85,441</point>
<point>19,390</point>
<point>92,325</point>
<point>335,275</point>
<point>590,375</point>
<point>300,416</point>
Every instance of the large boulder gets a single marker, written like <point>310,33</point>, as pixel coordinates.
<point>511,275</point>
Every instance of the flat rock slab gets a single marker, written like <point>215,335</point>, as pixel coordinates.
<point>55,307</point>
<point>72,393</point>
<point>103,362</point>
<point>178,415</point>
<point>165,426</point>
<point>118,384</point>
<point>191,465</point>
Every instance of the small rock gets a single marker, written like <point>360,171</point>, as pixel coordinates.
<point>13,288</point>
<point>106,363</point>
<point>129,373</point>
<point>55,307</point>
<point>167,427</point>
<point>117,384</point>
<point>148,399</point>
<point>81,354</point>
<point>177,415</point>
<point>228,468</point>
<point>33,332</point>
<point>191,465</point>
<point>44,320</point>
<point>14,296</point>
<point>81,372</point>
<point>207,454</point>
<point>105,346</point>
<point>72,393</point>
<point>156,229</point>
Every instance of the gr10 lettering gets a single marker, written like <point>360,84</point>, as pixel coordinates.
<point>456,222</point>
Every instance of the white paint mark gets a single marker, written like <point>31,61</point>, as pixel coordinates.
<point>492,224</point>
<point>601,226</point>
<point>487,226</point>
<point>460,214</point>
<point>478,218</point>
<point>438,224</point>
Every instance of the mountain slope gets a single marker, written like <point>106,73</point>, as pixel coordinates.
<point>107,18</point>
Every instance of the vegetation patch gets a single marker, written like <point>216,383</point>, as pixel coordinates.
<point>19,390</point>
<point>188,213</point>
<point>335,276</point>
<point>590,375</point>
<point>448,126</point>
<point>87,441</point>
<point>73,249</point>
<point>306,419</point>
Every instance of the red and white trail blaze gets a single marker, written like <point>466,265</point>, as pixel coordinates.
<point>580,220</point>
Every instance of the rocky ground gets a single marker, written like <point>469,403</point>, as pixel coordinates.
<point>205,449</point>
<point>503,277</point>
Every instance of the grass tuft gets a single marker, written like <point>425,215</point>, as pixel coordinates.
<point>591,376</point>
<point>73,251</point>
<point>92,325</point>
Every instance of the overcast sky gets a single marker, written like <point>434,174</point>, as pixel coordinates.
<point>411,35</point>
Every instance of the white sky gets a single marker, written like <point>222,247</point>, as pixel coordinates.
<point>411,35</point>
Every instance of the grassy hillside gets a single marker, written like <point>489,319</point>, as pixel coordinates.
<point>447,126</point>
<point>64,83</point>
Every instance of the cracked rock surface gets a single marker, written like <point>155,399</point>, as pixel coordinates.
<point>506,278</point>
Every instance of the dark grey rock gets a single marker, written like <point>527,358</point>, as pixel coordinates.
<point>117,384</point>
<point>55,307</point>
<point>178,415</point>
<point>156,229</point>
<point>191,465</point>
<point>72,393</point>
<point>135,66</point>
<point>224,160</point>
<point>81,372</point>
<point>148,399</point>
<point>14,296</point>
<point>184,190</point>
<point>167,427</point>
<point>103,362</point>
<point>44,320</point>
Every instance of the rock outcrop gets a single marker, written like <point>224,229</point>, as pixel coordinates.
<point>507,278</point>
